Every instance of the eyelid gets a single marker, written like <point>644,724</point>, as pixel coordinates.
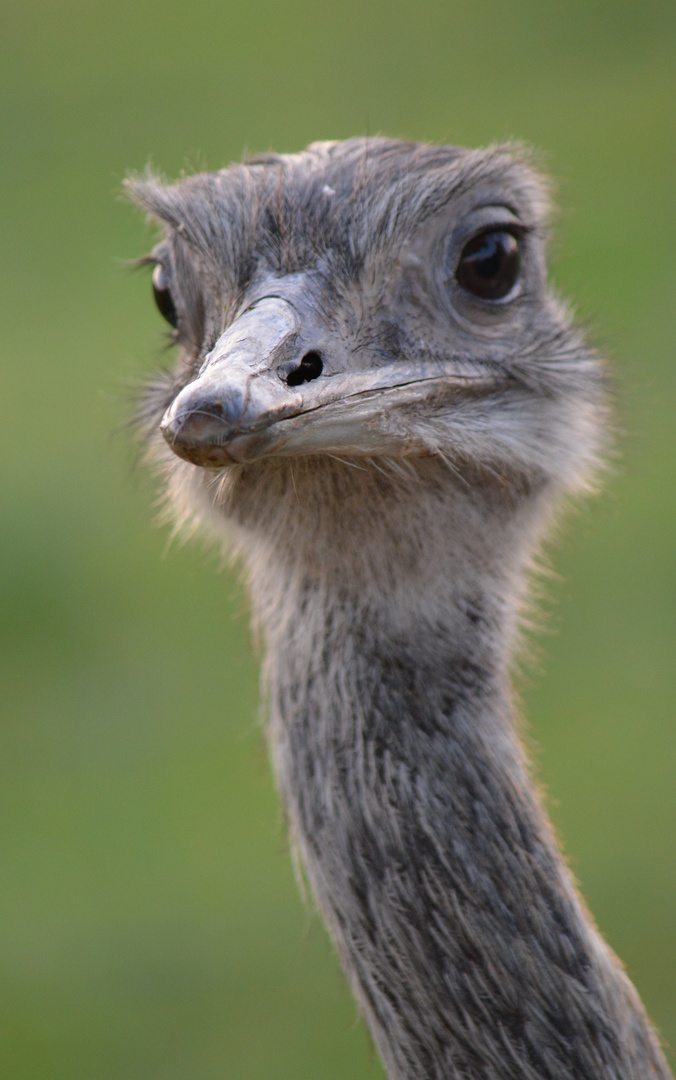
<point>497,207</point>
<point>512,227</point>
<point>490,218</point>
<point>166,284</point>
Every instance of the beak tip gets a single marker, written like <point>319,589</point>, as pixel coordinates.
<point>196,433</point>
<point>208,455</point>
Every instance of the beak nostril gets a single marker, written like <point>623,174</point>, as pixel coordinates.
<point>310,368</point>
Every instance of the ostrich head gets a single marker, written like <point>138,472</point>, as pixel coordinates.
<point>368,300</point>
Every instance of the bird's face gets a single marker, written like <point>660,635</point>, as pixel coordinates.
<point>377,300</point>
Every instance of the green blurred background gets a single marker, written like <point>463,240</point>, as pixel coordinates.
<point>149,923</point>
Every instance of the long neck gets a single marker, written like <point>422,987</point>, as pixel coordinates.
<point>412,808</point>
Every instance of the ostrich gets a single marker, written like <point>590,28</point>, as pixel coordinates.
<point>378,406</point>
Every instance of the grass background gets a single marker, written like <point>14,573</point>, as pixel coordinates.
<point>149,923</point>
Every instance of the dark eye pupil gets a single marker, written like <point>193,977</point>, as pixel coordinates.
<point>163,297</point>
<point>489,265</point>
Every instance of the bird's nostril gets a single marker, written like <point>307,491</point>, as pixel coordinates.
<point>310,368</point>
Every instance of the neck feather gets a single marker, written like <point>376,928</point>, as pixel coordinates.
<point>388,617</point>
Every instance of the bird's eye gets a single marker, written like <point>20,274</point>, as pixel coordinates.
<point>489,265</point>
<point>163,297</point>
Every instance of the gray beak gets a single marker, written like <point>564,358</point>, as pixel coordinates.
<point>259,392</point>
<point>241,388</point>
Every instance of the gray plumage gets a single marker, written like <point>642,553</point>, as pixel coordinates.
<point>382,444</point>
